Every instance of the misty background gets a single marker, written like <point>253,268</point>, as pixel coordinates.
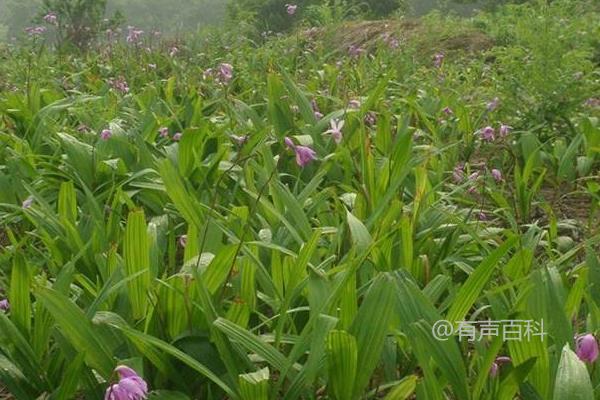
<point>178,16</point>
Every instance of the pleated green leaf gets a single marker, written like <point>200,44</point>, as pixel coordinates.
<point>20,300</point>
<point>255,385</point>
<point>342,361</point>
<point>136,254</point>
<point>572,378</point>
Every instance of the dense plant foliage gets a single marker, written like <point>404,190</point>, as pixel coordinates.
<point>214,218</point>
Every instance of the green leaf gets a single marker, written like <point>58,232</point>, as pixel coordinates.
<point>255,385</point>
<point>20,300</point>
<point>78,330</point>
<point>572,378</point>
<point>404,389</point>
<point>361,237</point>
<point>136,254</point>
<point>252,342</point>
<point>342,360</point>
<point>470,290</point>
<point>371,326</point>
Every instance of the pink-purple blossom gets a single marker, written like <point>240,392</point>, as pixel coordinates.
<point>498,362</point>
<point>163,132</point>
<point>304,154</point>
<point>35,30</point>
<point>497,175</point>
<point>492,105</point>
<point>336,130</point>
<point>27,203</point>
<point>133,34</point>
<point>119,84</point>
<point>355,51</point>
<point>488,134</point>
<point>183,239</point>
<point>458,174</point>
<point>177,136</point>
<point>587,348</point>
<point>391,41</point>
<point>504,130</point>
<point>51,18</point>
<point>316,111</point>
<point>4,305</point>
<point>225,72</point>
<point>291,9</point>
<point>105,134</point>
<point>370,119</point>
<point>240,140</point>
<point>438,60</point>
<point>354,104</point>
<point>130,386</point>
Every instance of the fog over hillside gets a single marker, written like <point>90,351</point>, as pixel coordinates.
<point>167,16</point>
<point>176,16</point>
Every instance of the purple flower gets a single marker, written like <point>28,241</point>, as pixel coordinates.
<point>370,118</point>
<point>316,111</point>
<point>183,240</point>
<point>291,8</point>
<point>448,111</point>
<point>163,132</point>
<point>355,51</point>
<point>438,60</point>
<point>391,41</point>
<point>336,130</point>
<point>240,140</point>
<point>497,364</point>
<point>4,305</point>
<point>458,174</point>
<point>177,136</point>
<point>587,348</point>
<point>354,104</point>
<point>119,84</point>
<point>304,154</point>
<point>488,134</point>
<point>130,386</point>
<point>173,51</point>
<point>51,18</point>
<point>133,34</point>
<point>35,30</point>
<point>105,134</point>
<point>492,105</point>
<point>497,175</point>
<point>482,216</point>
<point>27,203</point>
<point>504,130</point>
<point>289,143</point>
<point>225,72</point>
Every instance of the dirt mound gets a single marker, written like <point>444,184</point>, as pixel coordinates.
<point>427,39</point>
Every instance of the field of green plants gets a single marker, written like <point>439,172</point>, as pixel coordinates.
<point>290,216</point>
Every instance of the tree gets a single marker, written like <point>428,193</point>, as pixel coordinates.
<point>79,21</point>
